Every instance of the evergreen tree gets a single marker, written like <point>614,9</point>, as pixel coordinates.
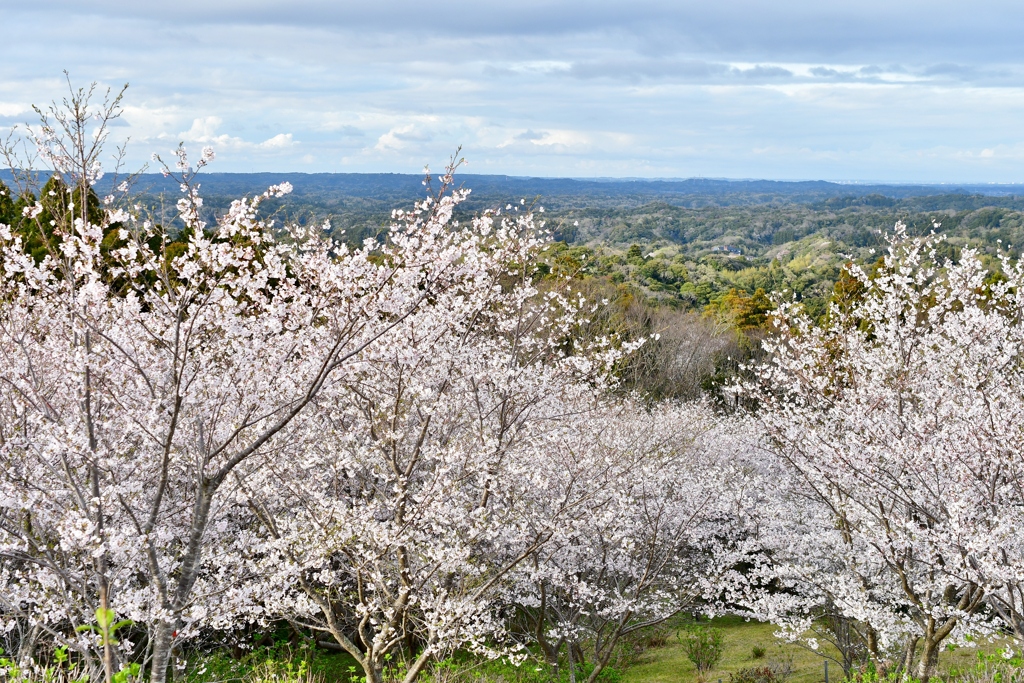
<point>7,214</point>
<point>60,207</point>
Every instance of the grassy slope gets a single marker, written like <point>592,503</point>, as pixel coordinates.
<point>669,664</point>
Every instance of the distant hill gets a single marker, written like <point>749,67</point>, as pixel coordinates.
<point>555,191</point>
<point>694,244</point>
<point>398,189</point>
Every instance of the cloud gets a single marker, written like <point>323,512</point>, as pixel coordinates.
<point>806,31</point>
<point>560,140</point>
<point>845,89</point>
<point>824,72</point>
<point>957,71</point>
<point>796,28</point>
<point>563,140</point>
<point>686,70</point>
<point>204,131</point>
<point>14,114</point>
<point>402,137</point>
<point>762,72</point>
<point>279,141</point>
<point>633,69</point>
<point>11,110</point>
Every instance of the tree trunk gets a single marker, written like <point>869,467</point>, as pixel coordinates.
<point>872,643</point>
<point>108,650</point>
<point>364,659</point>
<point>599,665</point>
<point>27,646</point>
<point>164,632</point>
<point>372,673</point>
<point>601,660</point>
<point>162,639</point>
<point>909,652</point>
<point>418,665</point>
<point>572,663</point>
<point>929,663</point>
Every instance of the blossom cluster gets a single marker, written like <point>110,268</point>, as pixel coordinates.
<point>893,431</point>
<point>216,425</point>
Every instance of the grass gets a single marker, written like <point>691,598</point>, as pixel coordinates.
<point>658,663</point>
<point>668,664</point>
<point>333,667</point>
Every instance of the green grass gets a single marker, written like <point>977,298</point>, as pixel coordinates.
<point>334,667</point>
<point>657,664</point>
<point>668,664</point>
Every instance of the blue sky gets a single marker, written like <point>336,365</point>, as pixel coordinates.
<point>868,90</point>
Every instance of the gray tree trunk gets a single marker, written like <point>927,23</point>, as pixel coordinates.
<point>161,637</point>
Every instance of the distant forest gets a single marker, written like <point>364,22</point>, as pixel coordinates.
<point>682,243</point>
<point>669,254</point>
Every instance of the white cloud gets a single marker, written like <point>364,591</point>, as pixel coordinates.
<point>205,131</point>
<point>563,142</point>
<point>869,89</point>
<point>564,139</point>
<point>410,135</point>
<point>14,109</point>
<point>279,141</point>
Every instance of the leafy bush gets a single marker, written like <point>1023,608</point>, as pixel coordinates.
<point>775,671</point>
<point>655,639</point>
<point>757,652</point>
<point>704,647</point>
<point>781,668</point>
<point>754,674</point>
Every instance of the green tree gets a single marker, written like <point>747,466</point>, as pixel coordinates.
<point>704,646</point>
<point>7,214</point>
<point>39,234</point>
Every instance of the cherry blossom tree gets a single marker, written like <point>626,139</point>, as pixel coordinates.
<point>894,427</point>
<point>142,386</point>
<point>396,528</point>
<point>663,520</point>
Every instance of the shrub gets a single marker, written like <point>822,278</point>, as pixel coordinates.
<point>704,647</point>
<point>781,668</point>
<point>775,671</point>
<point>757,652</point>
<point>655,639</point>
<point>754,674</point>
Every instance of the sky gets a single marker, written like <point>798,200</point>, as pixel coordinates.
<point>871,90</point>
